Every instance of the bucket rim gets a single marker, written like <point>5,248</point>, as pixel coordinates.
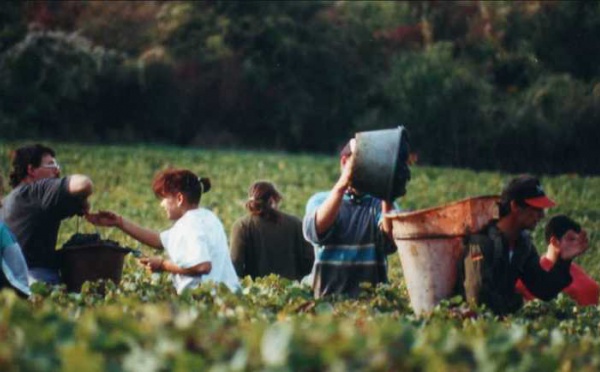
<point>400,214</point>
<point>93,246</point>
<point>400,132</point>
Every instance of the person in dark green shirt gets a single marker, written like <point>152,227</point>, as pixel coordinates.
<point>268,241</point>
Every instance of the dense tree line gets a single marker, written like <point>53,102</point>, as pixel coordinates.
<point>487,85</point>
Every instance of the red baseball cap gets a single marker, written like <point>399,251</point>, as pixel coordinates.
<point>529,190</point>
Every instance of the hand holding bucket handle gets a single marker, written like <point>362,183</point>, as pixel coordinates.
<point>353,145</point>
<point>380,167</point>
<point>345,180</point>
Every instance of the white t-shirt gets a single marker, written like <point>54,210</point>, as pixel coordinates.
<point>197,237</point>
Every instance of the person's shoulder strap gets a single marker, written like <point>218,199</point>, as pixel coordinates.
<point>479,255</point>
<point>491,237</point>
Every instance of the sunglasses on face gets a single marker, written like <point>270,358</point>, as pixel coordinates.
<point>53,165</point>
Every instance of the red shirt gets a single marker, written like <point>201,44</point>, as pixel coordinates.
<point>584,290</point>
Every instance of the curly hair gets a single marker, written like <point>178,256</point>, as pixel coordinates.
<point>25,156</point>
<point>260,195</point>
<point>172,181</point>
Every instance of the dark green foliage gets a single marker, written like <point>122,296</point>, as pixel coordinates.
<point>47,83</point>
<point>486,85</point>
<point>566,37</point>
<point>558,117</point>
<point>58,85</point>
<point>12,24</point>
<point>443,103</point>
<point>277,73</point>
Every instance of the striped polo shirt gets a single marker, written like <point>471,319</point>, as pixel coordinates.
<point>352,251</point>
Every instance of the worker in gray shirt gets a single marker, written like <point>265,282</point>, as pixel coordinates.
<point>39,201</point>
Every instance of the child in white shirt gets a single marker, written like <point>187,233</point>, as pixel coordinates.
<point>196,244</point>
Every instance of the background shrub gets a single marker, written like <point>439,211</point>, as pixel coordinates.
<point>485,85</point>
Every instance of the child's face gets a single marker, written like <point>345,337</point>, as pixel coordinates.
<point>570,237</point>
<point>172,205</point>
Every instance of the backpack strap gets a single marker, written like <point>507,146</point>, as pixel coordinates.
<point>481,254</point>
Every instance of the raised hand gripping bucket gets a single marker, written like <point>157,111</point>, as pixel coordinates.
<point>430,242</point>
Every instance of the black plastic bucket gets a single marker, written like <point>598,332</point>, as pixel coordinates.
<point>380,167</point>
<point>91,262</point>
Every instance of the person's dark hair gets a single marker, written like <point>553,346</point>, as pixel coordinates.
<point>559,225</point>
<point>23,157</point>
<point>504,206</point>
<point>508,194</point>
<point>260,195</point>
<point>172,181</point>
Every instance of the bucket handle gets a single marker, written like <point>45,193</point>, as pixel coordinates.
<point>95,227</point>
<point>136,252</point>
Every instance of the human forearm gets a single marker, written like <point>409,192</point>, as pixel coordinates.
<point>327,212</point>
<point>197,270</point>
<point>158,264</point>
<point>546,285</point>
<point>139,233</point>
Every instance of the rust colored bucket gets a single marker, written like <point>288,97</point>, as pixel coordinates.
<point>429,243</point>
<point>91,262</point>
<point>429,268</point>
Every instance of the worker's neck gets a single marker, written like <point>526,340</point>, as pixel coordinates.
<point>27,180</point>
<point>509,229</point>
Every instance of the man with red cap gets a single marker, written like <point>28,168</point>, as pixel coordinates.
<point>502,253</point>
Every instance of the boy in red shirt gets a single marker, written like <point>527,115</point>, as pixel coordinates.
<point>584,290</point>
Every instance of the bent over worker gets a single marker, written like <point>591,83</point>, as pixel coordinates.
<point>500,254</point>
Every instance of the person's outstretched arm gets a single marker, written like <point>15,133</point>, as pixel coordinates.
<point>158,264</point>
<point>139,233</point>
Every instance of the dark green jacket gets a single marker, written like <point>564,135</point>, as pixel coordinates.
<point>261,247</point>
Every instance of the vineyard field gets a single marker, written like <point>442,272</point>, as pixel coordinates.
<point>276,324</point>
